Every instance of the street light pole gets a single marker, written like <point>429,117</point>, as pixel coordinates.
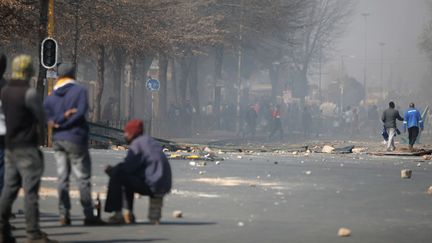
<point>382,44</point>
<point>365,15</point>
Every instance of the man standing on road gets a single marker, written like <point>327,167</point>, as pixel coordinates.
<point>413,121</point>
<point>2,122</point>
<point>24,161</point>
<point>66,109</point>
<point>389,117</point>
<point>145,170</point>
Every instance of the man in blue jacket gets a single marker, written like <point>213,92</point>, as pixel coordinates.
<point>66,108</point>
<point>145,170</point>
<point>413,121</point>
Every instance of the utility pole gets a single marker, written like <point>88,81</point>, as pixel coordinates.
<point>239,68</point>
<point>365,15</point>
<point>382,44</point>
<point>50,80</point>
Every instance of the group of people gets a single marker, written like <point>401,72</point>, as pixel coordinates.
<point>23,120</point>
<point>412,121</point>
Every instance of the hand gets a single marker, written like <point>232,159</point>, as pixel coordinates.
<point>52,124</point>
<point>70,112</point>
<point>108,170</point>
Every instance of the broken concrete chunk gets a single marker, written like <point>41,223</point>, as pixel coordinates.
<point>429,191</point>
<point>344,232</point>
<point>427,157</point>
<point>327,149</point>
<point>295,153</point>
<point>177,214</point>
<point>359,150</point>
<point>406,174</point>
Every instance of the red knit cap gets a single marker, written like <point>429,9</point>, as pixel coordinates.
<point>134,127</point>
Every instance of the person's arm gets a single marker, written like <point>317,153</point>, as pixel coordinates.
<point>398,116</point>
<point>79,112</point>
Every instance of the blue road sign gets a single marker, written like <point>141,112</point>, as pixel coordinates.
<point>153,84</point>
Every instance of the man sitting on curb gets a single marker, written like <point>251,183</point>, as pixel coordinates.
<point>145,170</point>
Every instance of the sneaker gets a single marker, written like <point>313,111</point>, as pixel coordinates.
<point>65,221</point>
<point>129,218</point>
<point>43,238</point>
<point>94,221</point>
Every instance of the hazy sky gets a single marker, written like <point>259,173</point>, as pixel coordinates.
<point>397,23</point>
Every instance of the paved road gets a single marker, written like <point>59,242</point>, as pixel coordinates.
<point>266,198</point>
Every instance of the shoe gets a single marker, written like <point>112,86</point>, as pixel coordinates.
<point>7,238</point>
<point>116,219</point>
<point>43,238</point>
<point>65,221</point>
<point>129,218</point>
<point>94,221</point>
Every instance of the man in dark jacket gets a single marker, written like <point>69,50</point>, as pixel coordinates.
<point>2,122</point>
<point>389,117</point>
<point>66,108</point>
<point>145,170</point>
<point>23,160</point>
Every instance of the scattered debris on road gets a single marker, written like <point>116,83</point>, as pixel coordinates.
<point>177,214</point>
<point>406,174</point>
<point>344,232</point>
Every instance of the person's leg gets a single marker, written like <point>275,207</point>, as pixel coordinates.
<point>114,198</point>
<point>12,184</point>
<point>415,133</point>
<point>30,166</point>
<point>390,141</point>
<point>81,167</point>
<point>2,168</point>
<point>410,137</point>
<point>63,173</point>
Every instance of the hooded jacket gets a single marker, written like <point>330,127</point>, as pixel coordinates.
<point>67,94</point>
<point>146,159</point>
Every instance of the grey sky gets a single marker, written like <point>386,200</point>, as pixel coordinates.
<point>398,23</point>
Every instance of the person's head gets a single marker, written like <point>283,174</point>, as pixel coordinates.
<point>392,104</point>
<point>66,71</point>
<point>134,128</point>
<point>411,105</point>
<point>22,68</point>
<point>3,64</point>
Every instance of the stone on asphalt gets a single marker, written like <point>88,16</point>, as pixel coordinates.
<point>359,150</point>
<point>177,214</point>
<point>295,153</point>
<point>406,174</point>
<point>240,224</point>
<point>192,163</point>
<point>217,162</point>
<point>427,157</point>
<point>344,232</point>
<point>327,149</point>
<point>429,191</point>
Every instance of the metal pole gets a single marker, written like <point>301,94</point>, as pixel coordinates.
<point>239,68</point>
<point>365,15</point>
<point>50,81</point>
<point>382,44</point>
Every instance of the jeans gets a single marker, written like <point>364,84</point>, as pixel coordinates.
<point>121,189</point>
<point>75,158</point>
<point>23,168</point>
<point>413,133</point>
<point>391,134</point>
<point>2,168</point>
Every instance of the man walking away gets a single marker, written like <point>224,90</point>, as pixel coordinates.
<point>413,121</point>
<point>2,122</point>
<point>145,170</point>
<point>389,117</point>
<point>66,109</point>
<point>23,160</point>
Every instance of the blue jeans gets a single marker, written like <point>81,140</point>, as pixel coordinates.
<point>23,168</point>
<point>74,158</point>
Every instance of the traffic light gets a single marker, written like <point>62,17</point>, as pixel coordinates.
<point>49,53</point>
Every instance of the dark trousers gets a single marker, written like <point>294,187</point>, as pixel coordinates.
<point>121,189</point>
<point>413,132</point>
<point>23,168</point>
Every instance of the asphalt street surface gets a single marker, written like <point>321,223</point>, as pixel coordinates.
<point>262,198</point>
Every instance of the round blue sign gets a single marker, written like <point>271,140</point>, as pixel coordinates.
<point>153,84</point>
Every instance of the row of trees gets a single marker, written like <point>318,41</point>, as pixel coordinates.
<point>119,39</point>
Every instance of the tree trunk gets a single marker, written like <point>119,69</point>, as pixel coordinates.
<point>117,76</point>
<point>76,36</point>
<point>193,84</point>
<point>43,23</point>
<point>163,71</point>
<point>100,84</point>
<point>219,51</point>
